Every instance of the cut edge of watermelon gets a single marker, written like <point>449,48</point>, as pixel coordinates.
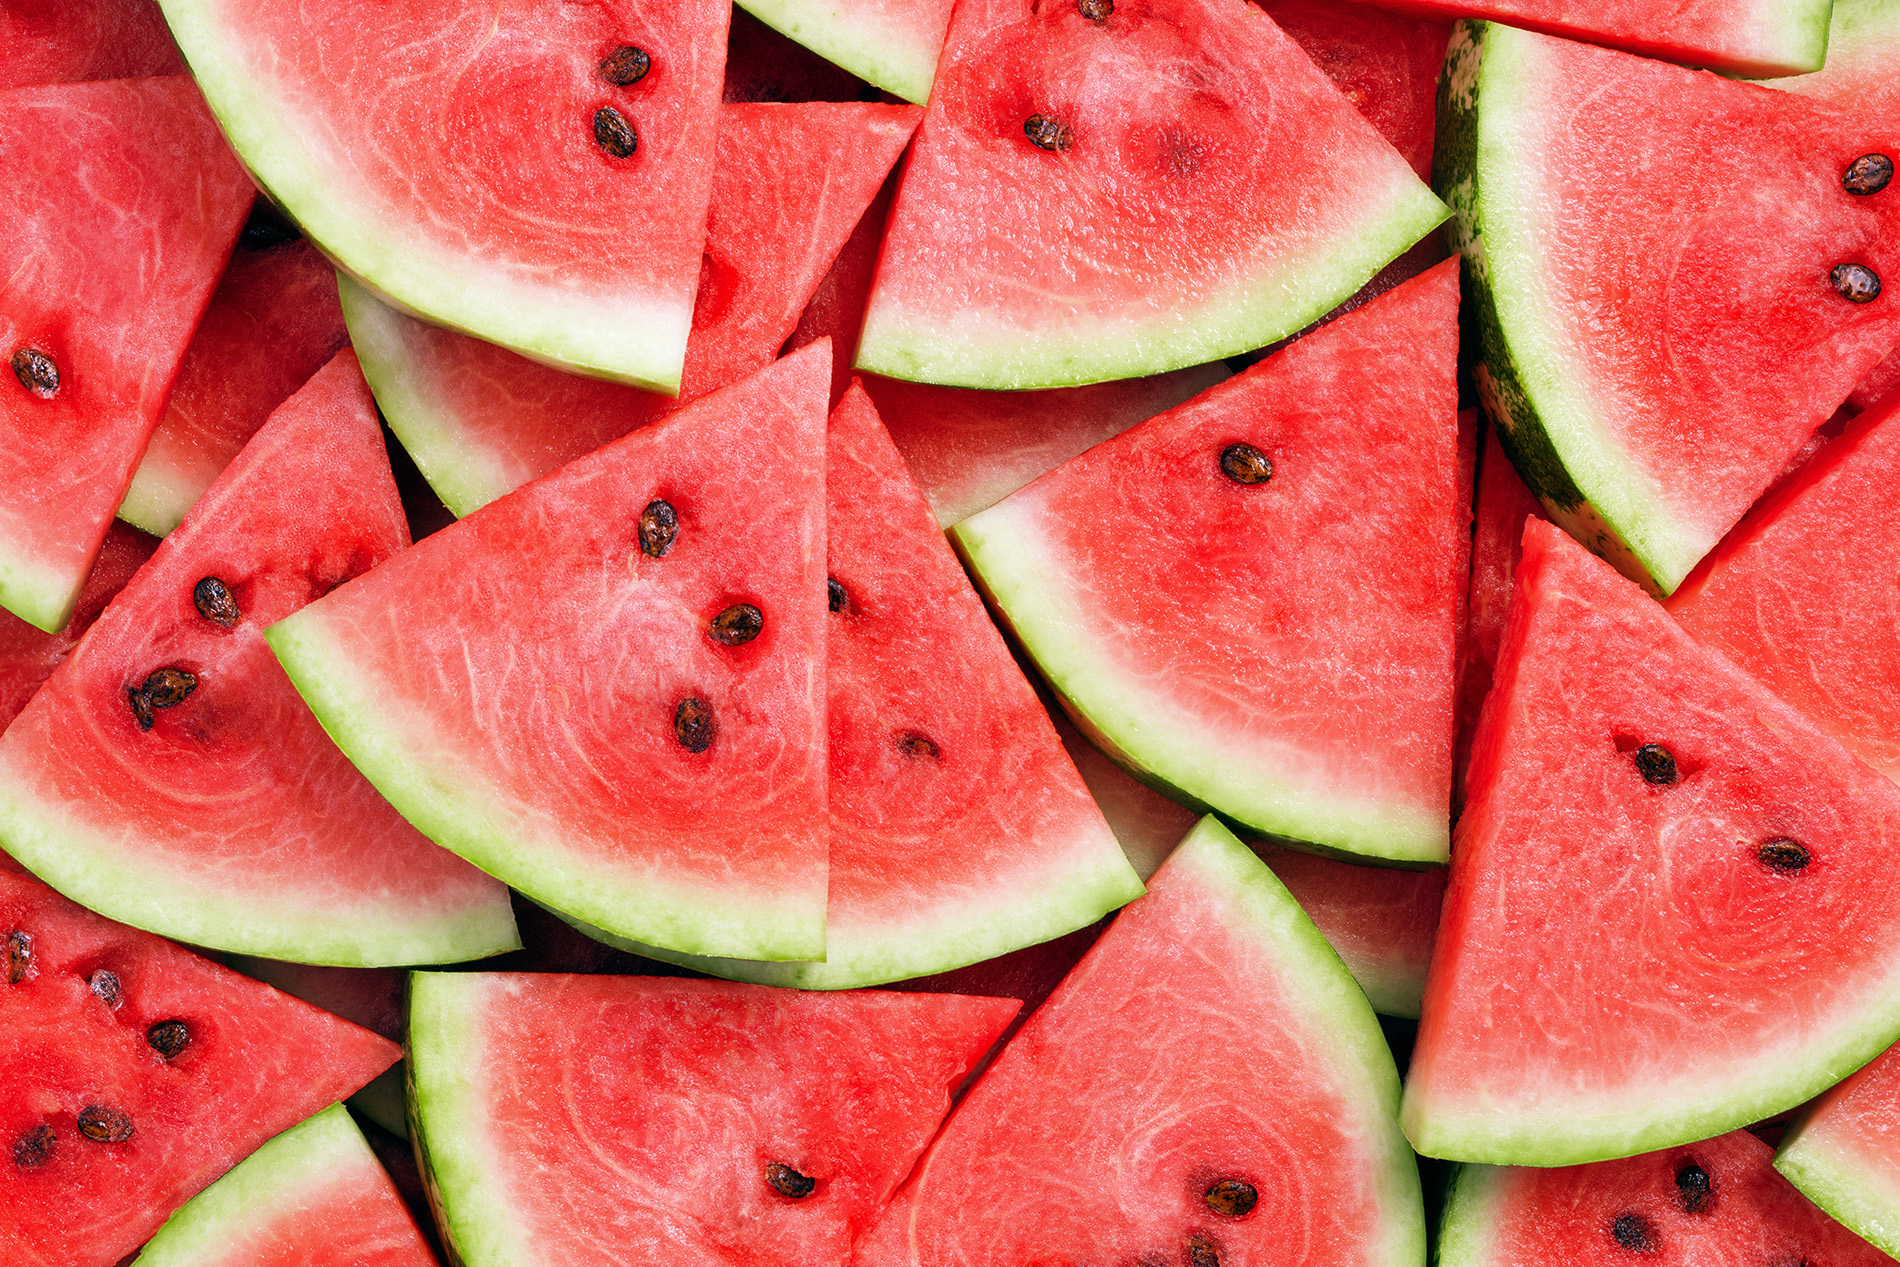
<point>876,46</point>
<point>1855,1187</point>
<point>1472,1197</point>
<point>158,498</point>
<point>43,596</point>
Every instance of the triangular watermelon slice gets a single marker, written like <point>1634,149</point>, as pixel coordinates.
<point>136,1073</point>
<point>682,1122</point>
<point>791,183</point>
<point>1146,1114</point>
<point>1186,585</point>
<point>1672,907</point>
<point>121,202</point>
<point>607,688</point>
<point>536,175</point>
<point>71,41</point>
<point>168,775</point>
<point>1119,197</point>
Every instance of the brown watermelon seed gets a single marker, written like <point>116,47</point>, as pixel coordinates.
<point>169,1038</point>
<point>1096,10</point>
<point>659,528</point>
<point>1244,464</point>
<point>1201,1252</point>
<point>1634,1233</point>
<point>1046,132</point>
<point>693,725</point>
<point>1656,764</point>
<point>214,602</point>
<point>168,688</point>
<point>613,133</point>
<point>35,1148</point>
<point>1695,1188</point>
<point>1856,282</point>
<point>916,745</point>
<point>141,706</point>
<point>19,955</point>
<point>627,64</point>
<point>788,1182</point>
<point>36,372</point>
<point>105,987</point>
<point>1783,854</point>
<point>1232,1198</point>
<point>1868,174</point>
<point>102,1125</point>
<point>835,595</point>
<point>737,625</point>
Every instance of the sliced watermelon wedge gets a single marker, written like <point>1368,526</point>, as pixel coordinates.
<point>1211,219</point>
<point>123,203</point>
<point>683,1122</point>
<point>1843,1151</point>
<point>607,688</point>
<point>70,41</point>
<point>461,160</point>
<point>891,43</point>
<point>29,655</point>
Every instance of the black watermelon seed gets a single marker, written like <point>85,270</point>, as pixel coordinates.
<point>168,688</point>
<point>916,745</point>
<point>1096,10</point>
<point>102,1125</point>
<point>266,228</point>
<point>1232,1198</point>
<point>214,602</point>
<point>141,706</point>
<point>1244,464</point>
<point>1856,282</point>
<point>613,133</point>
<point>1695,1188</point>
<point>659,528</point>
<point>105,987</point>
<point>834,595</point>
<point>169,1038</point>
<point>1201,1252</point>
<point>35,1148</point>
<point>1783,854</point>
<point>693,725</point>
<point>1046,132</point>
<point>1868,174</point>
<point>1634,1233</point>
<point>1656,764</point>
<point>19,955</point>
<point>627,64</point>
<point>788,1182</point>
<point>36,372</point>
<point>738,624</point>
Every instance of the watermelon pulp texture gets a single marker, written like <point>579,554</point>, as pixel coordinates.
<point>890,43</point>
<point>227,818</point>
<point>1843,1151</point>
<point>1207,222</point>
<point>73,1036</point>
<point>1652,359</point>
<point>1673,1012</point>
<point>29,655</point>
<point>1501,506</point>
<point>711,845</point>
<point>1232,659</point>
<point>124,203</point>
<point>1097,1133</point>
<point>519,225</point>
<point>69,41</point>
<point>557,1112</point>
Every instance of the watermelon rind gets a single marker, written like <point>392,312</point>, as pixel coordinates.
<point>1855,1190</point>
<point>1470,1211</point>
<point>878,46</point>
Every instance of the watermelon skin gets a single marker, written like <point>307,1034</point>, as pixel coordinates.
<point>1840,1152</point>
<point>125,202</point>
<point>1205,224</point>
<point>720,852</point>
<point>511,223</point>
<point>891,43</point>
<point>71,41</point>
<point>1264,717</point>
<point>574,1119</point>
<point>1624,354</point>
<point>258,1061</point>
<point>1097,1131</point>
<point>1675,1010</point>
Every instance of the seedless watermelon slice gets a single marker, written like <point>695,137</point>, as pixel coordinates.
<point>458,159</point>
<point>607,688</point>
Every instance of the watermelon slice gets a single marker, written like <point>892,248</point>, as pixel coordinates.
<point>608,687</point>
<point>1653,357</point>
<point>105,1132</point>
<point>370,997</point>
<point>1638,802</point>
<point>315,1196</point>
<point>836,309</point>
<point>122,203</point>
<point>167,774</point>
<point>535,175</point>
<point>1843,1151</point>
<point>680,1122</point>
<point>1114,1129</point>
<point>891,43</point>
<point>69,41</point>
<point>1231,660</point>
<point>1718,1201</point>
<point>273,322</point>
<point>1497,543</point>
<point>791,182</point>
<point>1098,240</point>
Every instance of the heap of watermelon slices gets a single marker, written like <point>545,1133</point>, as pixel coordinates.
<point>1068,607</point>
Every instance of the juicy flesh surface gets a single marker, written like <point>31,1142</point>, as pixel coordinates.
<point>70,41</point>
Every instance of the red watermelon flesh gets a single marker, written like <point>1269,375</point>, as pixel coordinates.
<point>791,182</point>
<point>835,310</point>
<point>762,65</point>
<point>28,655</point>
<point>559,1113</point>
<point>273,322</point>
<point>125,202</point>
<point>1679,1006</point>
<point>69,41</point>
<point>255,1061</point>
<point>227,818</point>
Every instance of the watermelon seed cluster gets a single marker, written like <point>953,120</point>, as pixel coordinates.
<point>36,372</point>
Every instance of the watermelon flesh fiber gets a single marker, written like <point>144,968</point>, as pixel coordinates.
<point>73,41</point>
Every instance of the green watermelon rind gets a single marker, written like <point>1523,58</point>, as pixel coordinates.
<point>1533,395</point>
<point>895,57</point>
<point>1855,29</point>
<point>1856,1191</point>
<point>1471,1212</point>
<point>1169,752</point>
<point>44,597</point>
<point>631,341</point>
<point>158,498</point>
